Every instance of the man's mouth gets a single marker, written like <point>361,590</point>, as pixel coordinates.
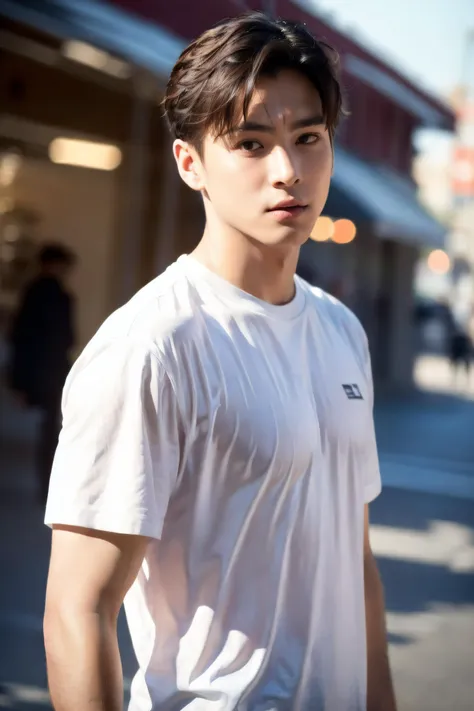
<point>288,205</point>
<point>288,209</point>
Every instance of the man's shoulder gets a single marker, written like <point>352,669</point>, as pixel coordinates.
<point>336,315</point>
<point>154,313</point>
<point>139,335</point>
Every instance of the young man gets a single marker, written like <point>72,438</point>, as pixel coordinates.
<point>218,453</point>
<point>41,339</point>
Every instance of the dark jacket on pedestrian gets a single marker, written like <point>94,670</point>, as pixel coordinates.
<point>41,336</point>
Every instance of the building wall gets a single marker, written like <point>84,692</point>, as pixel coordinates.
<point>403,341</point>
<point>377,129</point>
<point>46,93</point>
<point>76,208</point>
<point>80,207</point>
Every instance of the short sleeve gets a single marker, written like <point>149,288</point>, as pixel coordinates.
<point>118,453</point>
<point>373,482</point>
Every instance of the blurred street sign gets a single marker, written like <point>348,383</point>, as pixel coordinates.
<point>463,158</point>
<point>463,171</point>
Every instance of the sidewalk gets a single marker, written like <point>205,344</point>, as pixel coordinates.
<point>434,422</point>
<point>433,373</point>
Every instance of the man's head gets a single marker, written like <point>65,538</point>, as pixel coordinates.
<point>56,260</point>
<point>253,105</point>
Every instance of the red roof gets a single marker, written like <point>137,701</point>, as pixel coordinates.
<point>188,19</point>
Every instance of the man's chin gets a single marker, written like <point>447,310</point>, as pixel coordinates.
<point>289,236</point>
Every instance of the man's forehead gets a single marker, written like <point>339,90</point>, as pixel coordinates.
<point>278,102</point>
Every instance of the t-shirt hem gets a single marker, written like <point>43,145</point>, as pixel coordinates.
<point>371,491</point>
<point>104,522</point>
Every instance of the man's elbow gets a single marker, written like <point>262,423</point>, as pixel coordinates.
<point>60,622</point>
<point>58,633</point>
<point>68,627</point>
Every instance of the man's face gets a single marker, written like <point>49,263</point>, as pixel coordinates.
<point>280,157</point>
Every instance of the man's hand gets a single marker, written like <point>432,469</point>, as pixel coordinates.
<point>380,693</point>
<point>90,573</point>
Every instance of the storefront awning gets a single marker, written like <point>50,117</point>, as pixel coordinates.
<point>365,192</point>
<point>97,23</point>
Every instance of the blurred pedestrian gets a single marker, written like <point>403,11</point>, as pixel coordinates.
<point>41,338</point>
<point>218,454</point>
<point>460,352</point>
<point>458,342</point>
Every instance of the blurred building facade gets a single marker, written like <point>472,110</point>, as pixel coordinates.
<point>444,172</point>
<point>461,241</point>
<point>96,72</point>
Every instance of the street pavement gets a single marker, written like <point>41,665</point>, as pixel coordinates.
<point>422,534</point>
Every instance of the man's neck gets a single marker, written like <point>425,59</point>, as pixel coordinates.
<point>266,272</point>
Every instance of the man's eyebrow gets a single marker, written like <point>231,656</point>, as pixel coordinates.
<point>317,120</point>
<point>246,126</point>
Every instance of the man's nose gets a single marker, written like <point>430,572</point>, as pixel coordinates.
<point>284,168</point>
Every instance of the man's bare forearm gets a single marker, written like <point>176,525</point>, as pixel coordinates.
<point>83,661</point>
<point>380,693</point>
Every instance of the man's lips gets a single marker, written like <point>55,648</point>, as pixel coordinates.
<point>287,205</point>
<point>287,210</point>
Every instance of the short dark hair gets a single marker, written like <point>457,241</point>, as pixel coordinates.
<point>214,78</point>
<point>51,254</point>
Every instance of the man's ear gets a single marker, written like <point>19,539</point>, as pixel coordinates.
<point>189,164</point>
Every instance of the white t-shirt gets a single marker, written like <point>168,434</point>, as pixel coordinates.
<point>238,436</point>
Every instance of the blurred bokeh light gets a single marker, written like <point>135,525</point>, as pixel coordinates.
<point>323,230</point>
<point>438,261</point>
<point>86,154</point>
<point>344,231</point>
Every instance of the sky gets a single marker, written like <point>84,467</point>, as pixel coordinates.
<point>426,38</point>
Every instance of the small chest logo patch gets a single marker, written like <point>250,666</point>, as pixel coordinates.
<point>352,391</point>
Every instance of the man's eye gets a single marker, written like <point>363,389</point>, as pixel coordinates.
<point>308,138</point>
<point>249,146</point>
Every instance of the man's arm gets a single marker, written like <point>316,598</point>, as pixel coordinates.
<point>90,573</point>
<point>380,693</point>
